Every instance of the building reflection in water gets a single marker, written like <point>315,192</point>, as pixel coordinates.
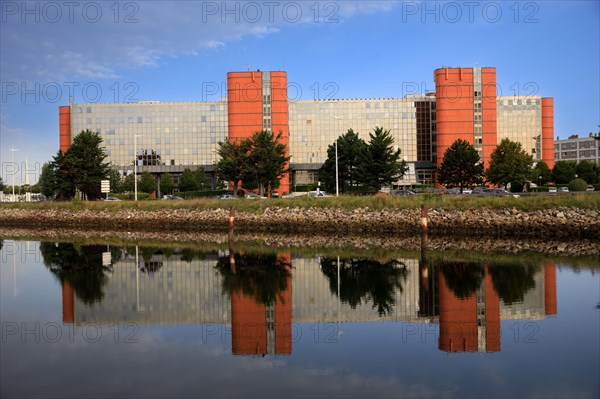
<point>261,297</point>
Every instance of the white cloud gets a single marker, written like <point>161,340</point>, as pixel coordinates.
<point>76,47</point>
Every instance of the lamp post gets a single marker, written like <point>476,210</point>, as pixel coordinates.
<point>337,187</point>
<point>135,162</point>
<point>540,180</point>
<point>12,158</point>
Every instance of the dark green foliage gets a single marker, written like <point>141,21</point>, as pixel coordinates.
<point>364,280</point>
<point>350,149</point>
<point>47,181</point>
<point>233,161</point>
<point>166,184</point>
<point>509,163</point>
<point>86,166</point>
<point>461,166</point>
<point>577,185</point>
<point>147,183</point>
<point>564,171</point>
<point>192,180</point>
<point>128,184</point>
<point>380,165</point>
<point>587,171</point>
<point>266,162</point>
<point>542,170</point>
<point>115,181</point>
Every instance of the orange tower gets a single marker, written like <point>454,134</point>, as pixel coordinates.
<point>258,101</point>
<point>548,131</point>
<point>466,109</point>
<point>64,116</point>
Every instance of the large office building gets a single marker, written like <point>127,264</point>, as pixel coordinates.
<point>577,149</point>
<point>167,137</point>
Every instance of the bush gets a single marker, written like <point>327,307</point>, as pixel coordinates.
<point>577,185</point>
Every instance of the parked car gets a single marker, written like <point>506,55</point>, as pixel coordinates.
<point>401,193</point>
<point>254,196</point>
<point>467,191</point>
<point>317,194</point>
<point>172,197</point>
<point>226,197</point>
<point>112,199</point>
<point>563,189</point>
<point>589,188</point>
<point>552,190</point>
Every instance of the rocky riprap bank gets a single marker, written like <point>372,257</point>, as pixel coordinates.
<point>558,222</point>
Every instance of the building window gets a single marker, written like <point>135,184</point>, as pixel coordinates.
<point>88,110</point>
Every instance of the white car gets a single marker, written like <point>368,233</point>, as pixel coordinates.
<point>317,194</point>
<point>552,190</point>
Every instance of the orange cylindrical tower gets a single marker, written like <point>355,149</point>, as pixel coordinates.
<point>492,315</point>
<point>489,114</point>
<point>550,302</point>
<point>257,101</point>
<point>454,107</point>
<point>548,131</point>
<point>248,325</point>
<point>283,312</point>
<point>64,120</point>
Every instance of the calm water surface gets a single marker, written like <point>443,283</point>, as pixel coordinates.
<point>106,321</point>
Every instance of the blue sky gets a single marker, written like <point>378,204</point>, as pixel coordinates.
<point>182,51</point>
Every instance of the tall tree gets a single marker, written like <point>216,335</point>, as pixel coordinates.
<point>201,178</point>
<point>63,175</point>
<point>586,170</point>
<point>115,181</point>
<point>564,171</point>
<point>128,184</point>
<point>541,173</point>
<point>350,148</point>
<point>47,180</point>
<point>232,165</point>
<point>509,163</point>
<point>266,161</point>
<point>461,166</point>
<point>188,181</point>
<point>1,184</point>
<point>380,164</point>
<point>86,161</point>
<point>166,184</point>
<point>147,183</point>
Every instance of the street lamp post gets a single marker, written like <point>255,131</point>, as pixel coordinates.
<point>135,162</point>
<point>12,158</point>
<point>337,189</point>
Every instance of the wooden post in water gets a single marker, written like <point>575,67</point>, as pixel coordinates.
<point>231,241</point>
<point>424,263</point>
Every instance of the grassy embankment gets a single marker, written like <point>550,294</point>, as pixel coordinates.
<point>447,202</point>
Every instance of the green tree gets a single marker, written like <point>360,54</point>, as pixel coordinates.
<point>232,165</point>
<point>586,170</point>
<point>564,171</point>
<point>461,166</point>
<point>542,170</point>
<point>266,162</point>
<point>380,164</point>
<point>188,181</point>
<point>166,184</point>
<point>63,172</point>
<point>128,184</point>
<point>115,181</point>
<point>47,180</point>
<point>86,159</point>
<point>1,184</point>
<point>201,178</point>
<point>509,163</point>
<point>350,148</point>
<point>147,183</point>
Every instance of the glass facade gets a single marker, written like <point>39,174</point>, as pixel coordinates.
<point>180,133</point>
<point>520,120</point>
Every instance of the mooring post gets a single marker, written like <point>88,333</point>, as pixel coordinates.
<point>231,242</point>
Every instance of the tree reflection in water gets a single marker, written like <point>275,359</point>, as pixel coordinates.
<point>364,280</point>
<point>80,266</point>
<point>463,278</point>
<point>511,281</point>
<point>260,276</point>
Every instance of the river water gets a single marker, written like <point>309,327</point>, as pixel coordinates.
<point>82,320</point>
